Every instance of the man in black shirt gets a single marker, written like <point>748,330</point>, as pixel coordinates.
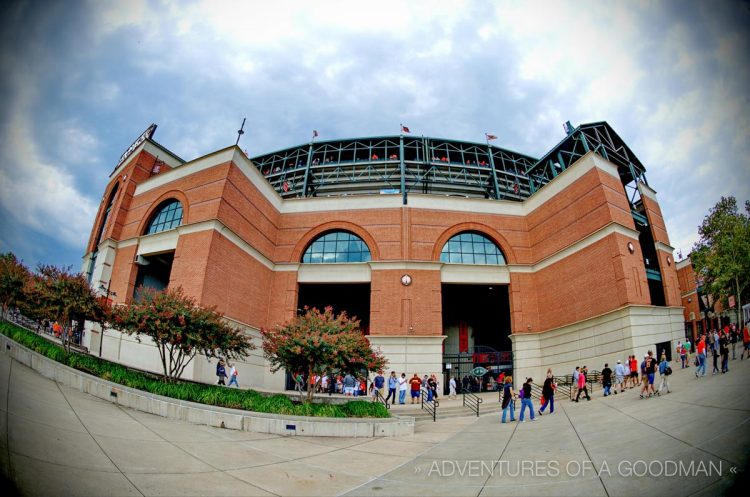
<point>607,379</point>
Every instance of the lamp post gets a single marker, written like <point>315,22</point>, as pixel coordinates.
<point>101,334</point>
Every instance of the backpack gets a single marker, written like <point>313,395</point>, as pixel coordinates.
<point>520,393</point>
<point>668,371</point>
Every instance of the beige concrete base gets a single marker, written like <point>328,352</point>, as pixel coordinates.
<point>254,371</point>
<point>203,414</point>
<point>596,341</point>
<point>411,354</point>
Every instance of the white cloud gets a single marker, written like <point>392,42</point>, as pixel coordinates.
<point>38,194</point>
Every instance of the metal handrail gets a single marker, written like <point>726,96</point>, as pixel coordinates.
<point>379,398</point>
<point>473,401</point>
<point>430,406</point>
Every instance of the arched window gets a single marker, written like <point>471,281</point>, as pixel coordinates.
<point>471,248</point>
<point>166,217</point>
<point>336,246</point>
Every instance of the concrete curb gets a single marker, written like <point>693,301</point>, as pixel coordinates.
<point>220,417</point>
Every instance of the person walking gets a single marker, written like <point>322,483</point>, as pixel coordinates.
<point>633,365</point>
<point>574,386</point>
<point>221,372</point>
<point>619,376</point>
<point>582,384</point>
<point>402,386</point>
<point>649,372</point>
<point>746,341</point>
<point>715,351</point>
<point>349,384</point>
<point>526,401</point>
<point>607,380</point>
<point>548,392</point>
<point>683,354</point>
<point>701,350</point>
<point>392,386</point>
<point>733,339</point>
<point>508,396</point>
<point>664,372</point>
<point>452,387</point>
<point>724,352</point>
<point>233,374</point>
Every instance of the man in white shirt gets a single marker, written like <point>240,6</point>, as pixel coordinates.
<point>402,386</point>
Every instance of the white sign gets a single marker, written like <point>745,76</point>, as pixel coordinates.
<point>144,136</point>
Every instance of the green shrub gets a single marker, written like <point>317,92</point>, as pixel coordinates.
<point>248,400</point>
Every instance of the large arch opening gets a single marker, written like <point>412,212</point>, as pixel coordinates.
<point>476,322</point>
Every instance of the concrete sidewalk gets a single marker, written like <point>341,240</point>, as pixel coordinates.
<point>57,441</point>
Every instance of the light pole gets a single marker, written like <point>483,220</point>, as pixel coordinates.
<point>101,334</point>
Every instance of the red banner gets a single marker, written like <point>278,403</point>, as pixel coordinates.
<point>463,336</point>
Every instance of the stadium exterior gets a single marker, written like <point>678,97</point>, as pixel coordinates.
<point>453,254</point>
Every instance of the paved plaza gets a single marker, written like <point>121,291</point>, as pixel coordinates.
<point>58,441</point>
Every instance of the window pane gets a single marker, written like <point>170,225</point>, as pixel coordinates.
<point>337,247</point>
<point>471,248</point>
<point>167,216</point>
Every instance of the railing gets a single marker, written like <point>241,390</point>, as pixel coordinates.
<point>46,332</point>
<point>379,398</point>
<point>472,401</point>
<point>430,406</point>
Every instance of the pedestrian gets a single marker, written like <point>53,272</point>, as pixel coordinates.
<point>402,384</point>
<point>349,383</point>
<point>733,339</point>
<point>683,354</point>
<point>607,380</point>
<point>574,386</point>
<point>526,401</point>
<point>582,384</point>
<point>633,364</point>
<point>664,372</point>
<point>221,371</point>
<point>508,396</point>
<point>715,351</point>
<point>416,387</point>
<point>746,340</point>
<point>724,352</point>
<point>465,382</point>
<point>380,383</point>
<point>548,392</point>
<point>392,386</point>
<point>649,372</point>
<point>701,357</point>
<point>452,387</point>
<point>619,376</point>
<point>233,374</point>
<point>431,388</point>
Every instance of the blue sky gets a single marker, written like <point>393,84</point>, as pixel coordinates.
<point>81,80</point>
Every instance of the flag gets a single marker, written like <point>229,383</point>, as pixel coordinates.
<point>490,137</point>
<point>315,133</point>
<point>285,186</point>
<point>404,129</point>
<point>568,127</point>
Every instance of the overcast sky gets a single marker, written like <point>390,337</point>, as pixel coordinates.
<point>81,80</point>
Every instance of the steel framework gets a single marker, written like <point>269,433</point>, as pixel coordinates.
<point>409,164</point>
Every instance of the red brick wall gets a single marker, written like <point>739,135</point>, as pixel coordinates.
<point>597,279</point>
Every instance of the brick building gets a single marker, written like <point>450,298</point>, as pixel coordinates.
<point>453,254</point>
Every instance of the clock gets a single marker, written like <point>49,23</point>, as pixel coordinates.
<point>406,280</point>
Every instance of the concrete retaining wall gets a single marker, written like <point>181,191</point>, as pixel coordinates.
<point>192,412</point>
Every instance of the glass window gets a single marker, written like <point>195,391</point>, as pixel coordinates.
<point>336,246</point>
<point>471,248</point>
<point>166,217</point>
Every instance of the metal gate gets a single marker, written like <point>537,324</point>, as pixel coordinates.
<point>461,366</point>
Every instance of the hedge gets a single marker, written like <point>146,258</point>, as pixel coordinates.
<point>248,400</point>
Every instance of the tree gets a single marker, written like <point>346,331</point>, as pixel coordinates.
<point>180,329</point>
<point>13,277</point>
<point>722,255</point>
<point>316,342</point>
<point>59,294</point>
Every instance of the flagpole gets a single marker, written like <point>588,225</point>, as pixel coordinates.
<point>309,164</point>
<point>402,165</point>
<point>492,165</point>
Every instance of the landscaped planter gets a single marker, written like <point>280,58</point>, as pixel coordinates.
<point>204,414</point>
